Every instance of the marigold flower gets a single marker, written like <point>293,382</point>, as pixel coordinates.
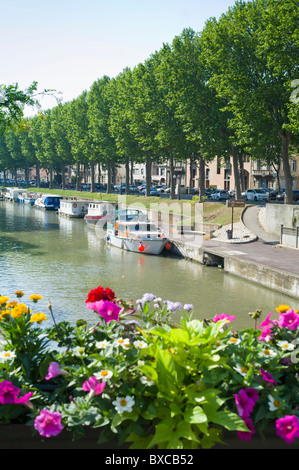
<point>35,297</point>
<point>282,308</point>
<point>48,423</point>
<point>19,293</point>
<point>38,317</point>
<point>19,310</point>
<point>3,300</point>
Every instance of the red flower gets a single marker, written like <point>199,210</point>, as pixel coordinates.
<point>100,294</point>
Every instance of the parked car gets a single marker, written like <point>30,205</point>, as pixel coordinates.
<point>256,195</point>
<point>161,188</point>
<point>280,195</point>
<point>210,191</point>
<point>133,189</point>
<point>193,190</point>
<point>220,194</point>
<point>232,192</point>
<point>120,187</point>
<point>295,195</point>
<point>153,192</point>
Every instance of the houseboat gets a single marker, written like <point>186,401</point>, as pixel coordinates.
<point>131,230</point>
<point>49,202</point>
<point>73,207</point>
<point>97,211</point>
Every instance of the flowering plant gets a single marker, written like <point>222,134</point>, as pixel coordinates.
<point>138,376</point>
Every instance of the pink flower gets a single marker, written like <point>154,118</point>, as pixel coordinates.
<point>25,400</point>
<point>268,377</point>
<point>245,401</point>
<point>108,310</point>
<point>289,319</point>
<point>93,386</point>
<point>8,393</point>
<point>223,316</point>
<point>266,322</point>
<point>288,428</point>
<point>247,435</point>
<point>48,423</point>
<point>54,370</point>
<point>266,334</point>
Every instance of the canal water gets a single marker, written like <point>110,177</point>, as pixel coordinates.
<point>62,259</point>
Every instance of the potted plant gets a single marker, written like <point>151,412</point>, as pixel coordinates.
<point>137,380</point>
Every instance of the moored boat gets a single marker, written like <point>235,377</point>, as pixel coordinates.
<point>131,230</point>
<point>98,211</point>
<point>48,202</point>
<point>73,208</point>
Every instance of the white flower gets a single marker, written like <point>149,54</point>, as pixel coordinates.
<point>241,370</point>
<point>267,352</point>
<point>146,381</point>
<point>7,355</point>
<point>140,344</point>
<point>79,351</point>
<point>104,375</point>
<point>233,340</point>
<point>274,404</point>
<point>124,343</point>
<point>285,345</point>
<point>102,344</point>
<point>124,404</point>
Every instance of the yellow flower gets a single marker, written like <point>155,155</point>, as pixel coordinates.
<point>283,308</point>
<point>3,300</point>
<point>19,293</point>
<point>19,310</point>
<point>35,297</point>
<point>13,303</point>
<point>38,317</point>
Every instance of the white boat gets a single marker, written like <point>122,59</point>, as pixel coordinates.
<point>21,196</point>
<point>131,230</point>
<point>48,202</point>
<point>97,211</point>
<point>73,207</point>
<point>30,198</point>
<point>12,194</point>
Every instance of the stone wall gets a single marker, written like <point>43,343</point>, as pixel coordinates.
<point>281,214</point>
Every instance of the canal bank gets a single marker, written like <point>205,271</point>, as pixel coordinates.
<point>255,256</point>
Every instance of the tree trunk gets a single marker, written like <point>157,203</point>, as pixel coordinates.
<point>92,188</point>
<point>191,185</point>
<point>286,168</point>
<point>202,170</point>
<point>78,177</point>
<point>242,175</point>
<point>172,179</point>
<point>148,175</point>
<point>108,177</point>
<point>51,177</point>
<point>62,174</point>
<point>127,176</point>
<point>132,173</point>
<point>236,172</point>
<point>37,169</point>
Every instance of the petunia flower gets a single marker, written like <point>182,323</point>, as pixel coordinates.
<point>93,386</point>
<point>288,428</point>
<point>25,400</point>
<point>289,320</point>
<point>108,310</point>
<point>54,370</point>
<point>48,423</point>
<point>123,404</point>
<point>267,377</point>
<point>8,393</point>
<point>247,435</point>
<point>245,401</point>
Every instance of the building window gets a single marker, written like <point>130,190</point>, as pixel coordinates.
<point>218,166</point>
<point>294,165</point>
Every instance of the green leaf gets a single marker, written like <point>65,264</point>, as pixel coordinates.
<point>195,414</point>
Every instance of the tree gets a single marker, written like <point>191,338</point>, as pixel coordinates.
<point>253,51</point>
<point>12,102</point>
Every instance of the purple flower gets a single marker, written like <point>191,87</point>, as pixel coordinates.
<point>188,307</point>
<point>247,435</point>
<point>54,370</point>
<point>48,423</point>
<point>148,297</point>
<point>93,386</point>
<point>268,377</point>
<point>266,322</point>
<point>288,428</point>
<point>8,393</point>
<point>108,310</point>
<point>245,401</point>
<point>266,334</point>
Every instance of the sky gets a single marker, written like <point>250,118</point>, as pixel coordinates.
<point>66,45</point>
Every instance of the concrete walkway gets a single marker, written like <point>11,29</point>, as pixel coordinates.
<point>266,250</point>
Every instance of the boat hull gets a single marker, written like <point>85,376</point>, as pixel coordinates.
<point>150,246</point>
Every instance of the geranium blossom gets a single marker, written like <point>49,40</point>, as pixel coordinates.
<point>93,386</point>
<point>100,294</point>
<point>288,428</point>
<point>224,316</point>
<point>48,423</point>
<point>108,310</point>
<point>123,404</point>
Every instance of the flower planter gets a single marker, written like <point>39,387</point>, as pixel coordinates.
<point>18,436</point>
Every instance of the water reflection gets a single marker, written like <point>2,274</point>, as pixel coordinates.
<point>62,259</point>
